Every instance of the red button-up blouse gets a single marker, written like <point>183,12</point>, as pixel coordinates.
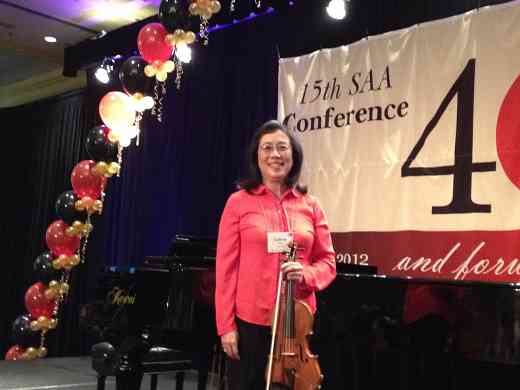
<point>246,274</point>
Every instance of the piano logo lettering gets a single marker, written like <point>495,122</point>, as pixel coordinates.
<point>119,296</point>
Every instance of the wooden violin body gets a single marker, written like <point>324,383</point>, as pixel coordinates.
<point>291,364</point>
<point>294,366</point>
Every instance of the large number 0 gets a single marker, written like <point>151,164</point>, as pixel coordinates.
<point>463,168</point>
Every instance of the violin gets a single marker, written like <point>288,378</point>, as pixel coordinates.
<point>291,365</point>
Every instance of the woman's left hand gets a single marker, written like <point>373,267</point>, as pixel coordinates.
<point>292,270</point>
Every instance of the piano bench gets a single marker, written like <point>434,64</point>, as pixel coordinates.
<point>161,360</point>
<point>158,360</point>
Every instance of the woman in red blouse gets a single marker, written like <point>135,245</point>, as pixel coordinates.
<point>270,210</point>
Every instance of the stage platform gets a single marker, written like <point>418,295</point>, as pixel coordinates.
<point>73,373</point>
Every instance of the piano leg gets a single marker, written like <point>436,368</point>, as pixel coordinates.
<point>179,380</point>
<point>101,382</point>
<point>129,380</point>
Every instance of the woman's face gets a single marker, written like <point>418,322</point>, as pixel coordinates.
<point>274,156</point>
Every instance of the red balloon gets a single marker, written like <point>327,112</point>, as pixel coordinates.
<point>84,183</point>
<point>36,303</point>
<point>14,353</point>
<point>58,241</point>
<point>152,45</point>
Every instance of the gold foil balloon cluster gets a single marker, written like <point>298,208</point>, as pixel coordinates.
<point>179,36</point>
<point>31,353</point>
<point>106,169</point>
<point>44,323</point>
<point>53,291</point>
<point>160,72</point>
<point>64,262</point>
<point>204,8</point>
<point>79,229</point>
<point>142,103</point>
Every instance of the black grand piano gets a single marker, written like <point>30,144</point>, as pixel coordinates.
<point>157,314</point>
<point>371,331</point>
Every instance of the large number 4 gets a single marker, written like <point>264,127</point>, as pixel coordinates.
<point>463,167</point>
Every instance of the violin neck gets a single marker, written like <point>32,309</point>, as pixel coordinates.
<point>289,324</point>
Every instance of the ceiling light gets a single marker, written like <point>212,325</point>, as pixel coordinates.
<point>183,53</point>
<point>103,71</point>
<point>111,10</point>
<point>102,75</point>
<point>50,39</point>
<point>337,9</point>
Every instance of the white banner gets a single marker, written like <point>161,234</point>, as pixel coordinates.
<point>416,130</point>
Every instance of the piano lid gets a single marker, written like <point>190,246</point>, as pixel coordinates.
<point>187,251</point>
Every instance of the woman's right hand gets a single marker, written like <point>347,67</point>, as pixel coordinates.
<point>230,344</point>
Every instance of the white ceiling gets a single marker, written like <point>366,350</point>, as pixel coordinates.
<point>24,23</point>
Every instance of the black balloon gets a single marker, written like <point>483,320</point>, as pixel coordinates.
<point>98,145</point>
<point>132,77</point>
<point>43,268</point>
<point>22,333</point>
<point>174,14</point>
<point>66,210</point>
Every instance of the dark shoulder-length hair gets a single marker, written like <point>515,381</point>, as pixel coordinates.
<point>253,176</point>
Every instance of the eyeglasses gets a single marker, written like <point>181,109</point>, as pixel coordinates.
<point>269,148</point>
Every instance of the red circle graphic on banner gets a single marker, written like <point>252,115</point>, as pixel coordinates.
<point>508,133</point>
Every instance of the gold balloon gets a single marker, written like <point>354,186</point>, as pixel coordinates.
<point>64,288</point>
<point>43,322</point>
<point>214,6</point>
<point>149,70</point>
<point>30,353</point>
<point>137,96</point>
<point>114,167</point>
<point>194,9</point>
<point>53,323</point>
<point>171,40</point>
<point>100,168</point>
<point>204,4</point>
<point>53,283</point>
<point>161,76</point>
<point>88,227</point>
<point>189,37</point>
<point>34,326</point>
<point>50,294</point>
<point>167,66</point>
<point>42,352</point>
<point>70,231</point>
<point>113,137</point>
<point>206,14</point>
<point>87,202</point>
<point>79,203</point>
<point>74,260</point>
<point>97,203</point>
<point>56,264</point>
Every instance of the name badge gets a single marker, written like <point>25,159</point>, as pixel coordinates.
<point>278,242</point>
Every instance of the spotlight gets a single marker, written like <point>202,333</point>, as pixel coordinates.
<point>337,9</point>
<point>103,71</point>
<point>183,53</point>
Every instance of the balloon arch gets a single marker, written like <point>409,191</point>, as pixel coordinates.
<point>121,112</point>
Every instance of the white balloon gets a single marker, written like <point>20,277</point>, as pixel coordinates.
<point>148,102</point>
<point>124,141</point>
